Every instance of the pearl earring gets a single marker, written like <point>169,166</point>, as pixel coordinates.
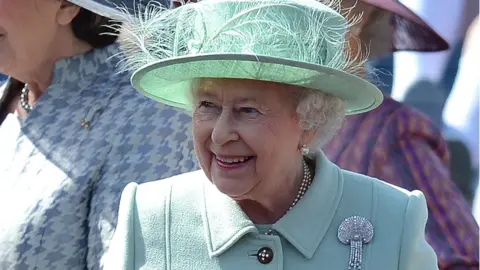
<point>305,150</point>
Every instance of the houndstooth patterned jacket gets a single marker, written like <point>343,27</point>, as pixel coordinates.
<point>62,169</point>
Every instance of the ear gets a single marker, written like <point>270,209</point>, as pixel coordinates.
<point>67,12</point>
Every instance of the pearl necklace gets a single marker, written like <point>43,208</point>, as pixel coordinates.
<point>24,99</point>
<point>304,186</point>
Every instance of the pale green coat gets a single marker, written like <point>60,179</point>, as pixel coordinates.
<point>184,222</point>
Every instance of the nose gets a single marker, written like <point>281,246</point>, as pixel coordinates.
<point>224,130</point>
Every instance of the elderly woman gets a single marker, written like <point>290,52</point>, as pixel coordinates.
<point>269,83</point>
<point>73,133</point>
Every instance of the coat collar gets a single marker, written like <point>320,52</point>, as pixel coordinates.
<point>225,223</point>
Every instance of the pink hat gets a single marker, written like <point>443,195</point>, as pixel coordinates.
<point>411,32</point>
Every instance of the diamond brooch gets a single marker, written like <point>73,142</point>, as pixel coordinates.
<point>355,231</point>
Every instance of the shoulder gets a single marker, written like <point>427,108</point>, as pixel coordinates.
<point>149,213</point>
<point>409,120</point>
<point>190,181</point>
<point>151,198</point>
<point>366,129</point>
<point>393,122</point>
<point>148,204</point>
<point>399,218</point>
<point>111,78</point>
<point>134,108</point>
<point>147,125</point>
<point>362,182</point>
<point>385,201</point>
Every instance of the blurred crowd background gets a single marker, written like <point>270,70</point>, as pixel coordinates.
<point>444,85</point>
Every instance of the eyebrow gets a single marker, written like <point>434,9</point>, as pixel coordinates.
<point>208,94</point>
<point>202,93</point>
<point>247,100</point>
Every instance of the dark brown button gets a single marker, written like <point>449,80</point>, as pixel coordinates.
<point>265,255</point>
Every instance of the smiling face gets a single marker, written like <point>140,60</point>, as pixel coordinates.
<point>246,134</point>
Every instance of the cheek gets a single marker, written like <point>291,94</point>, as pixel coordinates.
<point>280,138</point>
<point>9,9</point>
<point>16,15</point>
<point>260,140</point>
<point>10,25</point>
<point>257,136</point>
<point>202,127</point>
<point>202,131</point>
<point>28,31</point>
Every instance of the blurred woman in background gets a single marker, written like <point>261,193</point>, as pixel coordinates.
<point>73,133</point>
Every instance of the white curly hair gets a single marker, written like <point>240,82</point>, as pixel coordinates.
<point>320,112</point>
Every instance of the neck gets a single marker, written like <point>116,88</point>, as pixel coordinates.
<point>268,207</point>
<point>39,77</point>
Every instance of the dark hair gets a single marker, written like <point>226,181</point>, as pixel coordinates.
<point>96,30</point>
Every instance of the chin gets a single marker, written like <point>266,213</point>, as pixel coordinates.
<point>233,188</point>
<point>235,181</point>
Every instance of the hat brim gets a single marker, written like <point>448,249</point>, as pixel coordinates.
<point>99,9</point>
<point>170,81</point>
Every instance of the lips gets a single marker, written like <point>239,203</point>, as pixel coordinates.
<point>232,162</point>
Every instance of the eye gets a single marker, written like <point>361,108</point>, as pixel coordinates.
<point>249,110</point>
<point>206,104</point>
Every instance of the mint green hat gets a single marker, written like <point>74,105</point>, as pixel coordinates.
<point>295,42</point>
